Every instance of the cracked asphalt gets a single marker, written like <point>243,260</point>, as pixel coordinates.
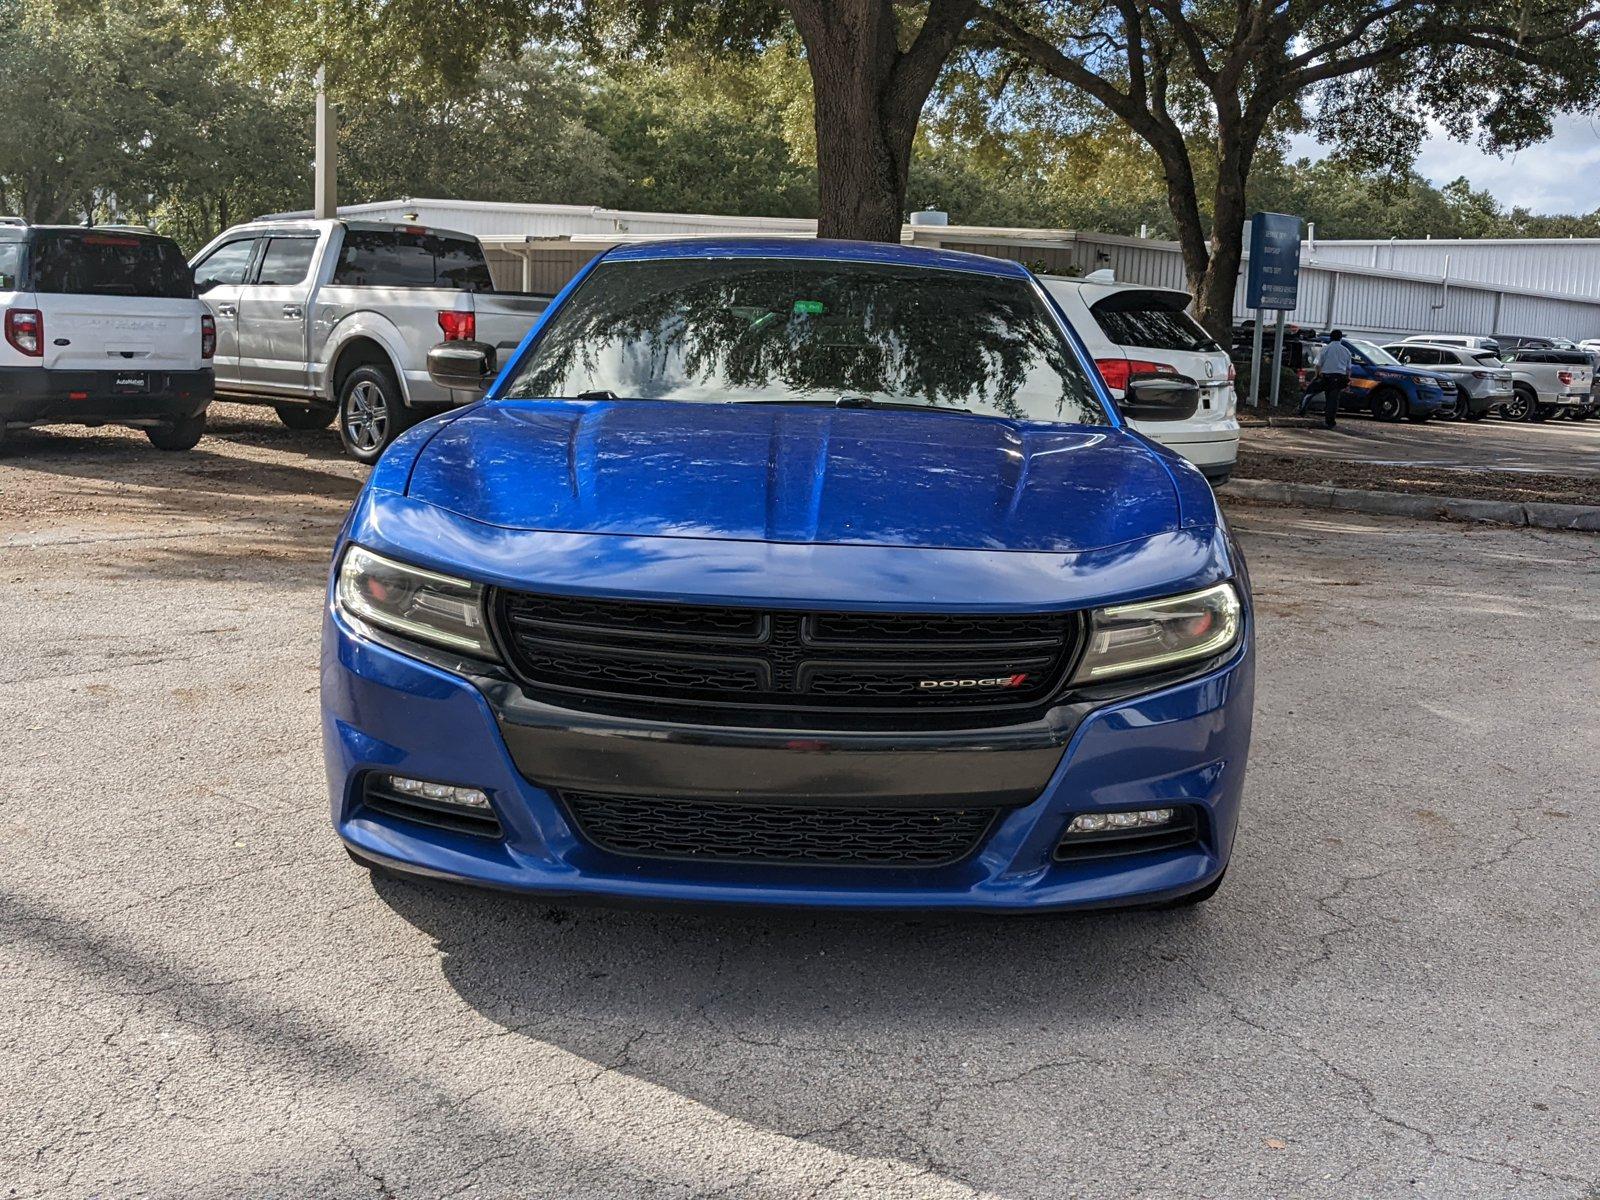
<point>200,996</point>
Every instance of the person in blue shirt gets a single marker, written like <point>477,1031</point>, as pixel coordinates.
<point>1333,376</point>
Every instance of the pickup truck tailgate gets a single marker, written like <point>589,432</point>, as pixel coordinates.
<point>503,321</point>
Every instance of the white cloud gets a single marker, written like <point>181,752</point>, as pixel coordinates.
<point>1556,176</point>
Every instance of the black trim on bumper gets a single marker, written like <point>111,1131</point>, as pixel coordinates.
<point>35,395</point>
<point>564,750</point>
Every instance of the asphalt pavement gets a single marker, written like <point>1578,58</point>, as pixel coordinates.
<point>1394,994</point>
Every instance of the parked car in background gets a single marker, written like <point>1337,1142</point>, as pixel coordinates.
<point>1388,389</point>
<point>1492,345</point>
<point>335,318</point>
<point>1132,330</point>
<point>1482,381</point>
<point>793,572</point>
<point>101,327</point>
<point>1546,383</point>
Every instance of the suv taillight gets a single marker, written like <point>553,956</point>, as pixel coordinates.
<point>208,335</point>
<point>25,331</point>
<point>458,326</point>
<point>1117,371</point>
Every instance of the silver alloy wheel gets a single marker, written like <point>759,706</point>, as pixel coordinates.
<point>366,416</point>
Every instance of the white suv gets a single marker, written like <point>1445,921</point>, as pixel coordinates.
<point>1132,330</point>
<point>101,326</point>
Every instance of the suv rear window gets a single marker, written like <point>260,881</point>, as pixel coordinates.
<point>1151,321</point>
<point>109,264</point>
<point>381,258</point>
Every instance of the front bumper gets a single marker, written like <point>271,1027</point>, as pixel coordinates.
<point>37,396</point>
<point>385,710</point>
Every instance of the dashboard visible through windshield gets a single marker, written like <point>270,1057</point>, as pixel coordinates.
<point>809,331</point>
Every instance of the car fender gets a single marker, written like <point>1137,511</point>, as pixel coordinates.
<point>372,326</point>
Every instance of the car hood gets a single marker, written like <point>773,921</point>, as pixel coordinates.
<point>796,473</point>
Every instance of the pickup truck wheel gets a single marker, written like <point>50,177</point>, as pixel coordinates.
<point>371,413</point>
<point>1521,407</point>
<point>306,416</point>
<point>182,434</point>
<point>1388,404</point>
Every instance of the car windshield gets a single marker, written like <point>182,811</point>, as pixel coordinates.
<point>1374,354</point>
<point>775,330</point>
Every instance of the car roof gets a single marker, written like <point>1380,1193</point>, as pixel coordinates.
<point>818,249</point>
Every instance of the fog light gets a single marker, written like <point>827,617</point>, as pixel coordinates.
<point>464,796</point>
<point>1098,822</point>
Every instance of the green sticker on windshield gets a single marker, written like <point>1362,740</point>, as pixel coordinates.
<point>813,308</point>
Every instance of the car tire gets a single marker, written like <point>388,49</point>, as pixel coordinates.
<point>1523,406</point>
<point>1579,414</point>
<point>372,412</point>
<point>306,417</point>
<point>1389,404</point>
<point>182,434</point>
<point>1473,416</point>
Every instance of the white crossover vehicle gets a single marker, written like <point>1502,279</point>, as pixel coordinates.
<point>1133,330</point>
<point>100,326</point>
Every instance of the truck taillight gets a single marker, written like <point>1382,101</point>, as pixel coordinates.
<point>25,331</point>
<point>208,335</point>
<point>1117,371</point>
<point>458,326</point>
<point>1564,376</point>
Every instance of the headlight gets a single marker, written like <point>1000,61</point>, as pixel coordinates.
<point>413,602</point>
<point>1156,634</point>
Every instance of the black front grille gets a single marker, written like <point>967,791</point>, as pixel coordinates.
<point>761,659</point>
<point>777,833</point>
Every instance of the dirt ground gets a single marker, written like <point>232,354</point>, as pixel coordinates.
<point>1556,462</point>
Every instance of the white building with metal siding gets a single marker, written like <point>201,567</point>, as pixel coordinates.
<point>1501,288</point>
<point>1568,266</point>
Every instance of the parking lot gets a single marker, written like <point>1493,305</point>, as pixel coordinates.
<point>1392,995</point>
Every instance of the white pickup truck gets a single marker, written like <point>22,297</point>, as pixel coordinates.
<point>335,318</point>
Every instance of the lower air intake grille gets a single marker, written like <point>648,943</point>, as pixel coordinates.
<point>800,834</point>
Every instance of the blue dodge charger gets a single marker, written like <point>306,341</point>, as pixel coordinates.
<point>792,572</point>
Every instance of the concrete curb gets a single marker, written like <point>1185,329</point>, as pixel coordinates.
<point>1581,517</point>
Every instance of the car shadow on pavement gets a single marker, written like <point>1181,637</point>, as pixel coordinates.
<point>871,1034</point>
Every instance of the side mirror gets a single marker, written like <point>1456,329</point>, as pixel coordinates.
<point>468,366</point>
<point>1151,397</point>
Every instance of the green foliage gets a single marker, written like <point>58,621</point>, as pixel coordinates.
<point>112,112</point>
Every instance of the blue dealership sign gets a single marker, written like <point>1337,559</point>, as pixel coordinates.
<point>1273,278</point>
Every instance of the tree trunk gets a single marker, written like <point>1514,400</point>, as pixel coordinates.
<point>869,97</point>
<point>1215,289</point>
<point>862,165</point>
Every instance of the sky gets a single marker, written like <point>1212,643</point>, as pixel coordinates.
<point>1557,176</point>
